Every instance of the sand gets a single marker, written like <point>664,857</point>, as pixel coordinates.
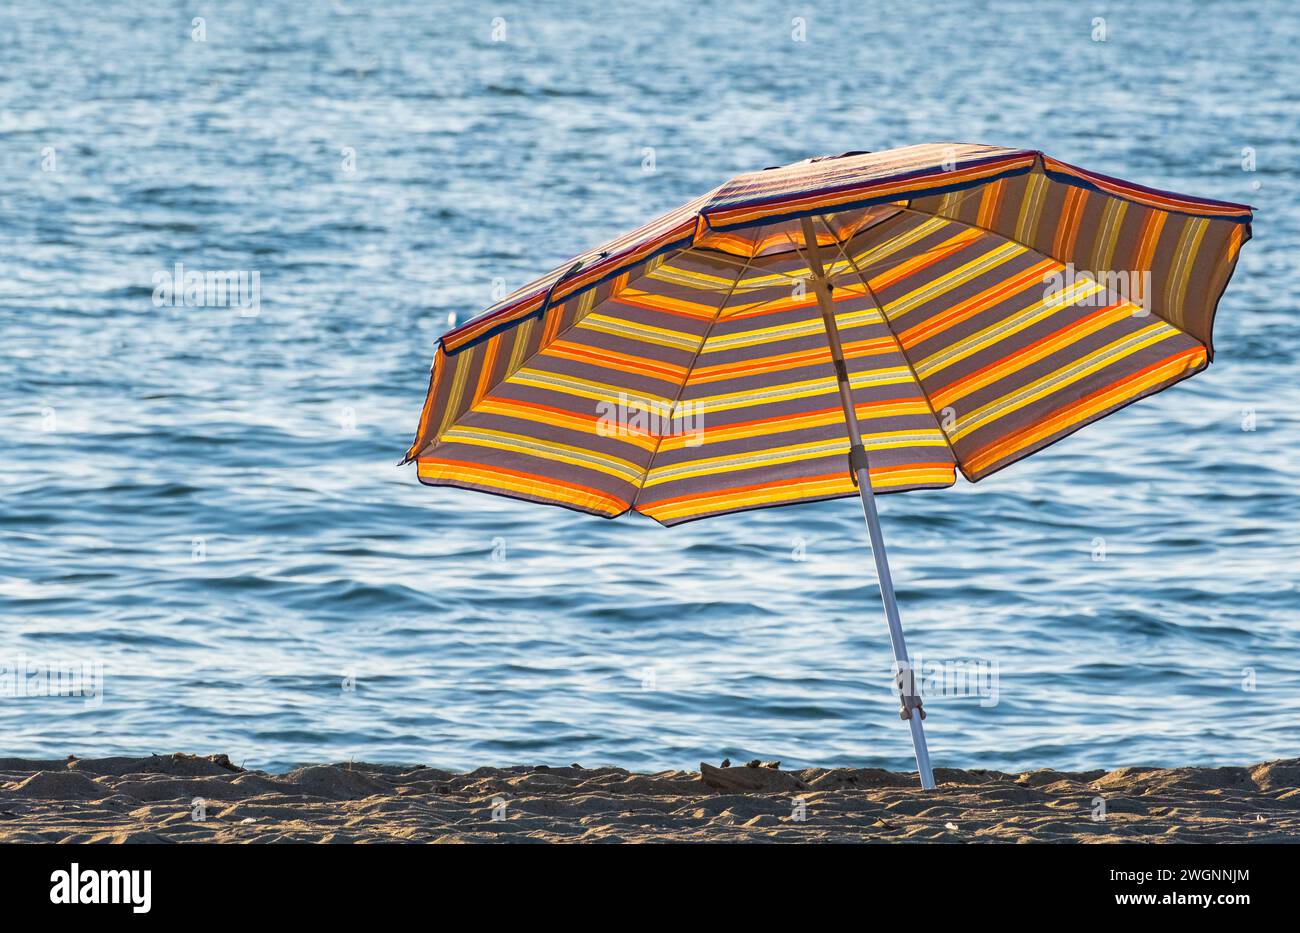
<point>186,798</point>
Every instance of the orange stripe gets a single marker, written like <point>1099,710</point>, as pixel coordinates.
<point>734,243</point>
<point>485,368</point>
<point>782,424</point>
<point>427,413</point>
<point>989,203</point>
<point>612,359</point>
<point>783,361</point>
<point>560,418</point>
<point>772,238</point>
<point>829,483</point>
<point>1234,240</point>
<point>531,485</point>
<point>863,409</point>
<point>977,303</point>
<point>1077,412</point>
<point>678,307</point>
<point>1148,239</point>
<point>1020,358</point>
<point>552,324</point>
<point>780,306</point>
<point>1067,226</point>
<point>742,311</point>
<point>917,263</point>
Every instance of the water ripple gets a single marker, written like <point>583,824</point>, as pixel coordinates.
<point>205,504</point>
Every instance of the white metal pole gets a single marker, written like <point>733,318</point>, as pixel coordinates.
<point>912,709</point>
<point>911,700</point>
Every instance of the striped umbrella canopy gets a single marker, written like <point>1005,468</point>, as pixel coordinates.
<point>842,325</point>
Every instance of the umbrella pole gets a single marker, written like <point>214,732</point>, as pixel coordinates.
<point>858,466</point>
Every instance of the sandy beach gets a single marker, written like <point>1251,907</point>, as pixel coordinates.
<point>186,798</point>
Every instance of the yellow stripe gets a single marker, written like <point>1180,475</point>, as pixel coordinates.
<point>657,301</point>
<point>587,301</point>
<point>763,428</point>
<point>1031,207</point>
<point>690,278</point>
<point>1112,220</point>
<point>767,280</point>
<point>522,333</point>
<point>585,388</point>
<point>659,336</point>
<point>1189,244</point>
<point>894,244</point>
<point>1030,355</point>
<point>804,389</point>
<point>796,490</point>
<point>547,450</point>
<point>946,283</point>
<point>845,320</point>
<point>792,453</point>
<point>507,408</point>
<point>708,503</point>
<point>1053,422</point>
<point>462,364</point>
<point>530,487</point>
<point>1043,308</point>
<point>786,300</point>
<point>1069,374</point>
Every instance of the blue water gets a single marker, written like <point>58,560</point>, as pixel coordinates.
<point>135,439</point>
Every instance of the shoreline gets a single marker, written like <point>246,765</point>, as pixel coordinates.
<point>189,798</point>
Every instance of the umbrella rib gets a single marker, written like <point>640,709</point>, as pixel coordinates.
<point>962,200</point>
<point>718,254</point>
<point>743,266</point>
<point>708,331</point>
<point>897,343</point>
<point>919,213</point>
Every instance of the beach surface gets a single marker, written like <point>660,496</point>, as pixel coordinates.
<point>187,798</point>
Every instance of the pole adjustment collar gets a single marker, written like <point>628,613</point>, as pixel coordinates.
<point>857,461</point>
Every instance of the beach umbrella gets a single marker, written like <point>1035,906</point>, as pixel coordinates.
<point>843,326</point>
